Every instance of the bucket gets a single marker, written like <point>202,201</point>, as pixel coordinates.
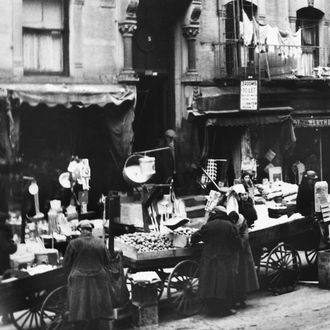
<point>323,266</point>
<point>147,165</point>
<point>132,173</point>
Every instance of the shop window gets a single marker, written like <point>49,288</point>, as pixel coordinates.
<point>308,20</point>
<point>45,36</point>
<point>238,55</point>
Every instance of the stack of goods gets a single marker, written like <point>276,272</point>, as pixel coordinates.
<point>280,198</point>
<point>154,241</point>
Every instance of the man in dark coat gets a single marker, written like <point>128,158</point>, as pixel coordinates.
<point>89,298</point>
<point>7,247</point>
<point>305,196</point>
<point>218,263</point>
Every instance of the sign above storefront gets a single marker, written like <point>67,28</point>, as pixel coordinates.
<point>249,95</point>
<point>311,122</point>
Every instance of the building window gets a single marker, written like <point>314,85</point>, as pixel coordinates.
<point>309,20</point>
<point>237,55</point>
<point>45,36</point>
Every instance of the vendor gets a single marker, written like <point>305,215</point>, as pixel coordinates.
<point>305,196</point>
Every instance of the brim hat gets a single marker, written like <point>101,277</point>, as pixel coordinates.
<point>85,224</point>
<point>310,174</point>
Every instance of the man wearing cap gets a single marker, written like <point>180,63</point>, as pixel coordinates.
<point>88,292</point>
<point>165,159</point>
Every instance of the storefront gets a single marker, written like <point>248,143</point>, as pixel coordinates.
<point>249,140</point>
<point>48,123</point>
<point>313,138</point>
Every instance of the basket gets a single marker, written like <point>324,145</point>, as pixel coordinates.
<point>276,213</point>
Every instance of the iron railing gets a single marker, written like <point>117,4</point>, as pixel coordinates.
<point>233,59</point>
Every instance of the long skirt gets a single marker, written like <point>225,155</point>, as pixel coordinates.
<point>89,297</point>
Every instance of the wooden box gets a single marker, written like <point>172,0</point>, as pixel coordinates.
<point>131,252</point>
<point>144,316</point>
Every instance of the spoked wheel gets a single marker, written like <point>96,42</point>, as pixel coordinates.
<point>311,256</point>
<point>182,288</point>
<point>282,269</point>
<point>29,318</point>
<point>53,313</point>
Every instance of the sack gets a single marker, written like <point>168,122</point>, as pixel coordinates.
<point>117,281</point>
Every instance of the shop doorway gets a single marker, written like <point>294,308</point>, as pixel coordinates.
<point>152,114</point>
<point>309,149</point>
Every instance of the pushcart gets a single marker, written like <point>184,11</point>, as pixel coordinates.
<point>22,297</point>
<point>275,248</point>
<point>276,251</point>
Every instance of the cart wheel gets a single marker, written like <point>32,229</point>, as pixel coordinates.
<point>53,313</point>
<point>283,269</point>
<point>182,288</point>
<point>29,318</point>
<point>311,256</point>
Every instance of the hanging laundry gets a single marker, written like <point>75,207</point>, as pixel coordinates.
<point>247,29</point>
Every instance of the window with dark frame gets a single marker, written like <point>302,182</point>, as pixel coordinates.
<point>45,37</point>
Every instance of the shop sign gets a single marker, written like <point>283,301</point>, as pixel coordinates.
<point>312,122</point>
<point>249,94</point>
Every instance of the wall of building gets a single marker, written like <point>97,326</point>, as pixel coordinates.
<point>95,51</point>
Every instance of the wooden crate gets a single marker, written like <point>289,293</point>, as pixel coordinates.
<point>131,252</point>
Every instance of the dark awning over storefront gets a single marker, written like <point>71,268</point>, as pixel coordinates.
<point>219,107</point>
<point>264,116</point>
<point>68,95</point>
<point>248,120</point>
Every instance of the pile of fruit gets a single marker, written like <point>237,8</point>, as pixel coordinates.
<point>153,241</point>
<point>145,242</point>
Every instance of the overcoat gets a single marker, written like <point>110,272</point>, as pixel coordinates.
<point>85,260</point>
<point>7,246</point>
<point>247,279</point>
<point>219,255</point>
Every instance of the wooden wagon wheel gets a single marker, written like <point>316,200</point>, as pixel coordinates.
<point>182,288</point>
<point>283,268</point>
<point>29,318</point>
<point>311,256</point>
<point>53,313</point>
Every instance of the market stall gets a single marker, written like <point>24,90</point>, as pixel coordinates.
<point>22,295</point>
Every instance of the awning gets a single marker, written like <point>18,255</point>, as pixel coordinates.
<point>68,95</point>
<point>219,107</point>
<point>248,120</point>
<point>263,116</point>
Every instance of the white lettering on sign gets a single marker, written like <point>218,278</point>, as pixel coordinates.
<point>322,122</point>
<point>249,95</point>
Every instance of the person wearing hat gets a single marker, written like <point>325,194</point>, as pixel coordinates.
<point>85,262</point>
<point>305,196</point>
<point>166,159</point>
<point>218,262</point>
<point>7,247</point>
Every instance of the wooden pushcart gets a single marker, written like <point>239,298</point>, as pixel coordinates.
<point>22,298</point>
<point>276,251</point>
<point>275,248</point>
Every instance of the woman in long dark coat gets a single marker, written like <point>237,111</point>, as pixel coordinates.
<point>88,292</point>
<point>246,278</point>
<point>218,263</point>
